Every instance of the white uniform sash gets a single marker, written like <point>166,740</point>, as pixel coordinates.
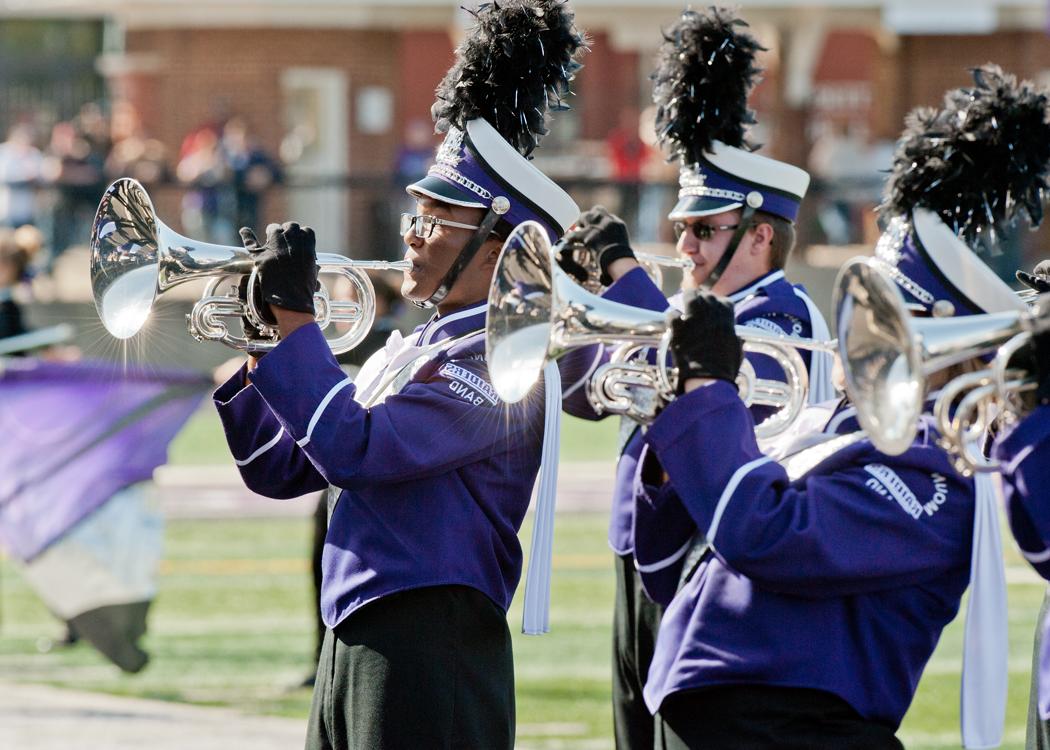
<point>389,370</point>
<point>985,635</point>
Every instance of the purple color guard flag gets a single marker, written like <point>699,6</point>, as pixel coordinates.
<point>73,435</point>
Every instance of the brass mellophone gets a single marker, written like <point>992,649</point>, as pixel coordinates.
<point>135,258</point>
<point>537,314</point>
<point>888,357</point>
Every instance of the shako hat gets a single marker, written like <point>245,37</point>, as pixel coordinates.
<point>511,70</point>
<point>961,174</point>
<point>705,72</point>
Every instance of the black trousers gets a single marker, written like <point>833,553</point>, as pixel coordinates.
<point>635,622</point>
<point>760,717</point>
<point>1038,734</point>
<point>426,668</point>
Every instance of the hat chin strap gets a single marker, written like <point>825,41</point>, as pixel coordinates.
<point>500,206</point>
<point>754,202</point>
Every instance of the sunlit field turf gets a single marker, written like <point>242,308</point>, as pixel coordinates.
<point>201,441</point>
<point>232,626</point>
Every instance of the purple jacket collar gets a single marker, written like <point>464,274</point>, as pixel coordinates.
<point>441,327</point>
<point>753,286</point>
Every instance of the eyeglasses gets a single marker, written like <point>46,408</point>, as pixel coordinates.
<point>701,231</point>
<point>423,225</point>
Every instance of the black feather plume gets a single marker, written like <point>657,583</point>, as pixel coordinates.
<point>705,71</point>
<point>979,162</point>
<point>512,69</point>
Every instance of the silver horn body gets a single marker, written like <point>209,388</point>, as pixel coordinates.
<point>888,357</point>
<point>651,262</point>
<point>654,265</point>
<point>537,313</point>
<point>135,258</point>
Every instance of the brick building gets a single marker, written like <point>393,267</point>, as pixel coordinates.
<point>347,77</point>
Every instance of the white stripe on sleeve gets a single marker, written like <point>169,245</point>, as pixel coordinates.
<point>667,561</point>
<point>321,407</point>
<point>1036,557</point>
<point>261,450</point>
<point>727,493</point>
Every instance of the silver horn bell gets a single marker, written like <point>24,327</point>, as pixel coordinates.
<point>537,313</point>
<point>135,258</point>
<point>888,357</point>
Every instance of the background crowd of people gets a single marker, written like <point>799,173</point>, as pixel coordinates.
<point>53,179</point>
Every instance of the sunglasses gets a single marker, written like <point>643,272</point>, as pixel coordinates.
<point>702,232</point>
<point>423,225</point>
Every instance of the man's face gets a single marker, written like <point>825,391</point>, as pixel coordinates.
<point>705,254</point>
<point>432,256</point>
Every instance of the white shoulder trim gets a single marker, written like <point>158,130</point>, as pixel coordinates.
<point>439,323</point>
<point>261,450</point>
<point>730,488</point>
<point>821,363</point>
<point>749,290</point>
<point>838,419</point>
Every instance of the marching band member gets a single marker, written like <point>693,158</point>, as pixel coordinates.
<point>435,473</point>
<point>830,573</point>
<point>1025,456</point>
<point>808,620</point>
<point>735,220</point>
<point>1024,453</point>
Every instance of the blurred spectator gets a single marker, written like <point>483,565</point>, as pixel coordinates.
<point>627,154</point>
<point>659,186</point>
<point>848,169</point>
<point>204,170</point>
<point>18,251</point>
<point>20,167</point>
<point>133,154</point>
<point>252,170</point>
<point>92,126</point>
<point>74,163</point>
<point>14,269</point>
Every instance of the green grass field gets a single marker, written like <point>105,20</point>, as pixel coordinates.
<point>232,626</point>
<point>201,440</point>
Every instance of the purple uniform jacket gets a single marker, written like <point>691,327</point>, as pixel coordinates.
<point>1025,455</point>
<point>435,480</point>
<point>840,580</point>
<point>769,304</point>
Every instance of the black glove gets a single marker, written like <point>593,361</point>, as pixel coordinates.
<point>565,254</point>
<point>253,334</point>
<point>602,233</point>
<point>1038,279</point>
<point>287,266</point>
<point>704,340</point>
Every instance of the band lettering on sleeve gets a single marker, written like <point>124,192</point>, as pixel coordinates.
<point>468,386</point>
<point>886,482</point>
